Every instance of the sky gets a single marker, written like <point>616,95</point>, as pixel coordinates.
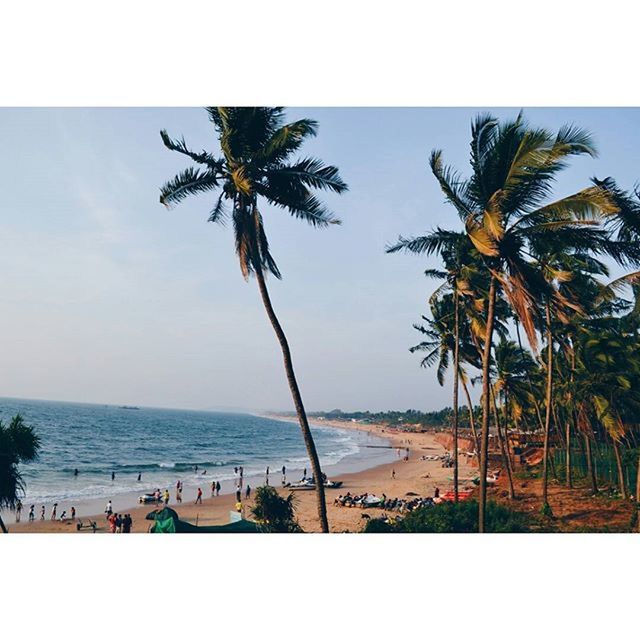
<point>107,297</point>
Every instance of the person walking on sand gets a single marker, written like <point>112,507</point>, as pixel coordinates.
<point>238,495</point>
<point>18,510</point>
<point>247,493</point>
<point>54,510</point>
<point>179,495</point>
<point>166,497</point>
<point>199,498</point>
<point>109,509</point>
<point>393,474</point>
<point>32,513</point>
<point>42,513</point>
<point>73,513</point>
<point>218,487</point>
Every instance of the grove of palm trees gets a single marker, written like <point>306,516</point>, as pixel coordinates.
<point>528,308</point>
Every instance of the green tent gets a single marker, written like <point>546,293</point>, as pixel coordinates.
<point>167,521</point>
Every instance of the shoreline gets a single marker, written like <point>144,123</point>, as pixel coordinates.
<point>413,477</point>
<point>367,458</point>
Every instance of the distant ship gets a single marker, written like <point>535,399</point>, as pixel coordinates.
<point>125,406</point>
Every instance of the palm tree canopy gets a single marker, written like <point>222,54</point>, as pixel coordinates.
<point>256,161</point>
<point>18,444</point>
<point>506,211</point>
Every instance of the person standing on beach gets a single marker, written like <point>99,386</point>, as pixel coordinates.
<point>213,488</point>
<point>18,510</point>
<point>42,513</point>
<point>179,495</point>
<point>54,510</point>
<point>199,498</point>
<point>393,474</point>
<point>166,497</point>
<point>113,476</point>
<point>267,479</point>
<point>218,488</point>
<point>247,493</point>
<point>32,515</point>
<point>109,509</point>
<point>73,513</point>
<point>238,495</point>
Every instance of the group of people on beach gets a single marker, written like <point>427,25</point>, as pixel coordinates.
<point>54,512</point>
<point>118,523</point>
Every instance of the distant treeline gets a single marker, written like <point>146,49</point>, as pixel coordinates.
<point>410,417</point>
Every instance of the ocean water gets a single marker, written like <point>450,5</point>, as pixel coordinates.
<point>164,445</point>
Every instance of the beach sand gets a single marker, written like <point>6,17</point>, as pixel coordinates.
<point>414,476</point>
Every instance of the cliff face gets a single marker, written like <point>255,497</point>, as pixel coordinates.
<point>465,443</point>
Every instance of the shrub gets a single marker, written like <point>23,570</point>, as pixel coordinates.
<point>274,513</point>
<point>448,517</point>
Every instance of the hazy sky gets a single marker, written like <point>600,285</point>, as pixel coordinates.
<point>108,297</point>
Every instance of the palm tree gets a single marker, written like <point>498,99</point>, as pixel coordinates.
<point>446,333</point>
<point>612,363</point>
<point>511,373</point>
<point>460,261</point>
<point>256,166</point>
<point>502,206</point>
<point>18,444</point>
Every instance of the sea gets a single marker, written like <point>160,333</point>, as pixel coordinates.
<point>167,445</point>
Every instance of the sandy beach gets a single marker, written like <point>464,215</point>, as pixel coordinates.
<point>414,476</point>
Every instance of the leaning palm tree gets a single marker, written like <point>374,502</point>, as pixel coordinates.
<point>18,444</point>
<point>256,167</point>
<point>503,207</point>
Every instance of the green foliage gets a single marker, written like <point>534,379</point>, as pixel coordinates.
<point>18,444</point>
<point>256,165</point>
<point>448,517</point>
<point>274,513</point>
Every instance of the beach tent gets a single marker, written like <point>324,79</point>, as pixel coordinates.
<point>167,521</point>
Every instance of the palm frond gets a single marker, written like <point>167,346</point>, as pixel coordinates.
<point>189,182</point>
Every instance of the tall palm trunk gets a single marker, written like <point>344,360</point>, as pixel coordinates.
<point>2,527</point>
<point>591,472</point>
<point>456,378</point>
<point>621,483</point>
<point>472,422</point>
<point>503,451</point>
<point>638,493</point>
<point>568,454</point>
<point>297,400</point>
<point>505,412</point>
<point>486,404</point>
<point>547,420</point>
<point>536,406</point>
